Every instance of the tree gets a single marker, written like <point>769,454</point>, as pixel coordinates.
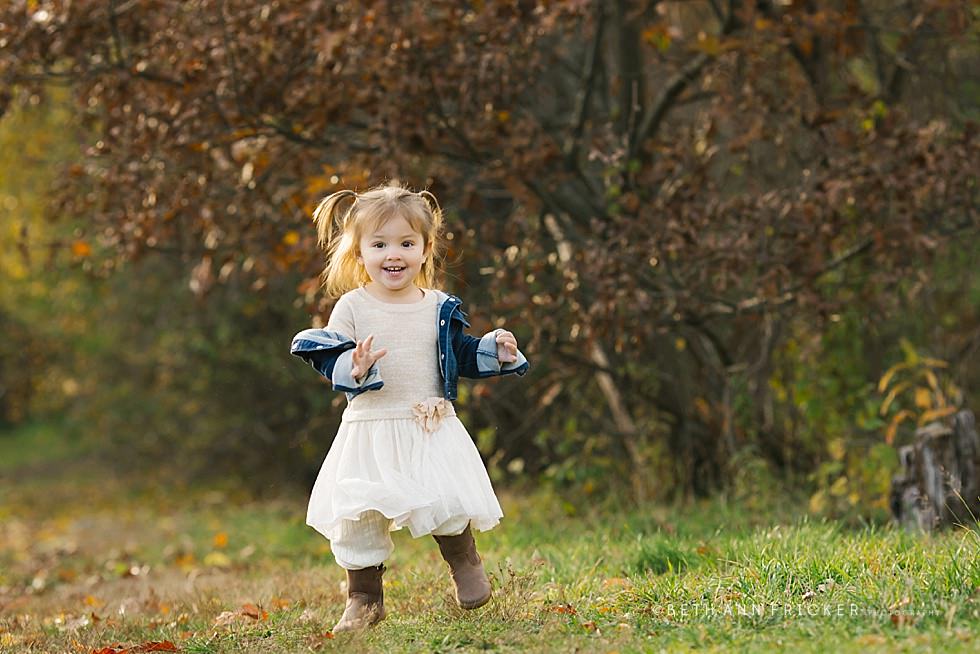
<point>648,190</point>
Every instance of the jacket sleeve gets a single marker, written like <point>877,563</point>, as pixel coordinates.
<point>330,351</point>
<point>477,357</point>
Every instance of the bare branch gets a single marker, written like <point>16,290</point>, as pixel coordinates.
<point>757,303</point>
<point>574,139</point>
<point>665,101</point>
<point>719,14</point>
<point>117,47</point>
<point>669,94</point>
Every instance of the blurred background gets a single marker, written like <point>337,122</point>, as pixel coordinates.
<point>737,239</point>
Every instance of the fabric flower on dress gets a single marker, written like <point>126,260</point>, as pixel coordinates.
<point>428,413</point>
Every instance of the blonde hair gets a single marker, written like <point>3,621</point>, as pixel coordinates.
<point>339,231</point>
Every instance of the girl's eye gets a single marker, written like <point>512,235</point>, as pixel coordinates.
<point>378,245</point>
<point>407,244</point>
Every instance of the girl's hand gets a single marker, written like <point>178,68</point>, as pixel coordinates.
<point>506,347</point>
<point>364,358</point>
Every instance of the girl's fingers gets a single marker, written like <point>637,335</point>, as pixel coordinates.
<point>508,342</point>
<point>364,347</point>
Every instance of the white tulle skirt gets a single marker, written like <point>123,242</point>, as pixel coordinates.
<point>420,479</point>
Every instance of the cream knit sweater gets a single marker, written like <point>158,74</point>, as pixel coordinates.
<point>410,369</point>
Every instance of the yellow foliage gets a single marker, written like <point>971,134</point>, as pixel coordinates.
<point>839,487</point>
<point>930,402</point>
<point>892,395</point>
<point>32,147</point>
<point>657,36</point>
<point>887,377</point>
<point>892,429</point>
<point>837,448</point>
<point>708,44</point>
<point>936,414</point>
<point>217,560</point>
<point>818,502</point>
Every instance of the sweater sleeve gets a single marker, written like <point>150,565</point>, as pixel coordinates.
<point>342,318</point>
<point>337,364</point>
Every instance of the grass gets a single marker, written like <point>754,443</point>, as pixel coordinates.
<point>88,561</point>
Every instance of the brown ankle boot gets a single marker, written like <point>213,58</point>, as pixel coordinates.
<point>365,600</point>
<point>466,568</point>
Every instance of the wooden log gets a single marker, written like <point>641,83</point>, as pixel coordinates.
<point>938,484</point>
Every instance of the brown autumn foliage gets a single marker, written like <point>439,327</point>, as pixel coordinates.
<point>646,192</point>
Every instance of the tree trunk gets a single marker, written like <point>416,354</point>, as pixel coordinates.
<point>939,483</point>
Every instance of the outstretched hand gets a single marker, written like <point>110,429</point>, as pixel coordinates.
<point>506,347</point>
<point>364,357</point>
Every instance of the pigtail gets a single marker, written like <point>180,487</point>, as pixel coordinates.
<point>430,268</point>
<point>342,272</point>
<point>326,215</point>
<point>434,207</point>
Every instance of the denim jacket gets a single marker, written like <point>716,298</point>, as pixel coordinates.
<point>460,355</point>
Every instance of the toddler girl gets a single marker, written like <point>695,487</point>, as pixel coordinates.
<point>396,347</point>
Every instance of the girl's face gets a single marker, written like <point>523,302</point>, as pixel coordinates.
<point>393,255</point>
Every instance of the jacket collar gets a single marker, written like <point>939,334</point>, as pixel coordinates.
<point>448,307</point>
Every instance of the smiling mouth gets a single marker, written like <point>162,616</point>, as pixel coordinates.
<point>394,269</point>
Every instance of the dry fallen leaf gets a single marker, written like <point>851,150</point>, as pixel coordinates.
<point>254,612</point>
<point>248,610</point>
<point>226,617</point>
<point>619,582</point>
<point>111,649</point>
<point>162,646</point>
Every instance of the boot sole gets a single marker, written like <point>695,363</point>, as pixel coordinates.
<point>469,606</point>
<point>344,629</point>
